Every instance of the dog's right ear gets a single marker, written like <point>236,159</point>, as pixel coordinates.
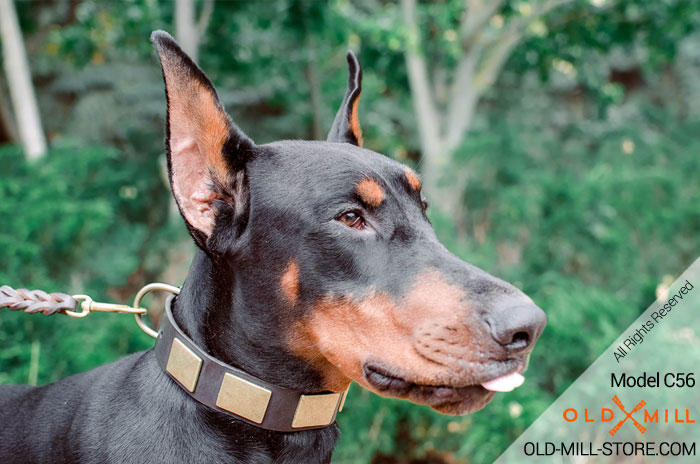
<point>346,126</point>
<point>206,151</point>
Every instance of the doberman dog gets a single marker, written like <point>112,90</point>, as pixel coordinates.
<point>316,266</point>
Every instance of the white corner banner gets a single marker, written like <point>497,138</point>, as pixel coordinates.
<point>639,401</point>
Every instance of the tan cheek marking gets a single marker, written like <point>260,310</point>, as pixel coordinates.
<point>290,282</point>
<point>352,333</point>
<point>413,180</point>
<point>355,122</point>
<point>341,336</point>
<point>304,344</point>
<point>370,192</point>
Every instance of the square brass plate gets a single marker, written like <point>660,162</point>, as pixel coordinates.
<point>243,398</point>
<point>315,410</point>
<point>184,365</point>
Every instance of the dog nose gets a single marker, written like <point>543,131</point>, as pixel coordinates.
<point>517,328</point>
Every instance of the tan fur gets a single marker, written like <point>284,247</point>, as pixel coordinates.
<point>290,282</point>
<point>424,333</point>
<point>304,344</point>
<point>194,112</point>
<point>412,179</point>
<point>355,122</point>
<point>370,192</point>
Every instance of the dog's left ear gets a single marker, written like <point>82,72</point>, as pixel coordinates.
<point>207,153</point>
<point>346,126</point>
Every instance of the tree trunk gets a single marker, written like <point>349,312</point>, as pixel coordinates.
<point>189,31</point>
<point>428,118</point>
<point>443,130</point>
<point>186,28</point>
<point>312,78</point>
<point>20,83</point>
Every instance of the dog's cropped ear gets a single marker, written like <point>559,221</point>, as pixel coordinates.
<point>346,126</point>
<point>206,151</point>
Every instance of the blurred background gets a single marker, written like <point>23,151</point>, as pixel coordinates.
<point>557,140</point>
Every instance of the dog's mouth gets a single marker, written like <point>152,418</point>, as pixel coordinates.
<point>453,398</point>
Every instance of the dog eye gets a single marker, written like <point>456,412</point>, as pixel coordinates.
<point>352,219</point>
<point>424,204</point>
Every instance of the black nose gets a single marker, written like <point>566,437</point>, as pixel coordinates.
<point>517,328</point>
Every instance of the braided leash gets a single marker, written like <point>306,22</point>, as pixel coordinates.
<point>36,301</point>
<point>48,304</point>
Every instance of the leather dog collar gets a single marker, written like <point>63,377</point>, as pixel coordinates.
<point>235,392</point>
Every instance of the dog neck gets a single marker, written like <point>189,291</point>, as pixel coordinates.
<point>205,311</point>
<point>240,328</point>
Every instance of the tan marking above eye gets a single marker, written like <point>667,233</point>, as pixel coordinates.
<point>290,282</point>
<point>370,192</point>
<point>412,179</point>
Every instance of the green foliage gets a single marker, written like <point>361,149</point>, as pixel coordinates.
<point>68,225</point>
<point>636,33</point>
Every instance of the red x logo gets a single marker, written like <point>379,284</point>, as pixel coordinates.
<point>628,415</point>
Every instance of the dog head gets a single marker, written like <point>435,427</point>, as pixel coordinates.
<point>323,259</point>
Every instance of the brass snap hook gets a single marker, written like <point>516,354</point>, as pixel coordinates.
<point>87,304</point>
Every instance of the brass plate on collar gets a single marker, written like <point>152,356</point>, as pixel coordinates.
<point>315,410</point>
<point>184,365</point>
<point>243,398</point>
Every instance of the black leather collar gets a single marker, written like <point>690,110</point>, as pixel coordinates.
<point>236,392</point>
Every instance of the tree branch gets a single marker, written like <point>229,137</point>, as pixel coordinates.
<point>19,82</point>
<point>464,95</point>
<point>494,58</point>
<point>463,98</point>
<point>540,9</point>
<point>480,66</point>
<point>205,17</point>
<point>548,6</point>
<point>477,14</point>
<point>312,78</point>
<point>423,102</point>
<point>501,47</point>
<point>185,28</point>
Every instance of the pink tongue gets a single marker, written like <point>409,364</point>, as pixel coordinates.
<point>504,384</point>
